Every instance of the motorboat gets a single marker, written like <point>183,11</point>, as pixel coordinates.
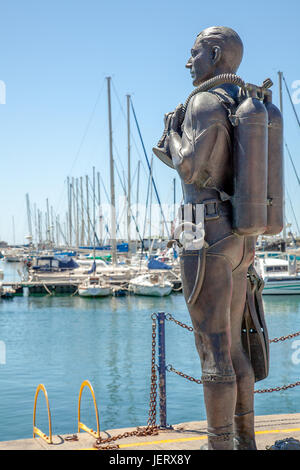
<point>152,284</point>
<point>14,255</point>
<point>279,275</point>
<point>6,292</point>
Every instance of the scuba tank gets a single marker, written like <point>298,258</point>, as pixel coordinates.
<point>275,167</point>
<point>250,165</point>
<point>258,164</point>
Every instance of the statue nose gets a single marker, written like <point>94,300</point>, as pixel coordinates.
<point>189,63</point>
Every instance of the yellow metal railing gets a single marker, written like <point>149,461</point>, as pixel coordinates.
<point>36,430</point>
<point>82,426</point>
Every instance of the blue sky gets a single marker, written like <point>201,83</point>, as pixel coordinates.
<point>54,57</point>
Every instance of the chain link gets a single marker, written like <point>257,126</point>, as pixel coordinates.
<point>151,428</point>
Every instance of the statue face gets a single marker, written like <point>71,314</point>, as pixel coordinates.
<point>201,63</point>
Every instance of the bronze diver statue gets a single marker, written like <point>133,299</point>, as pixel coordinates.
<point>226,144</point>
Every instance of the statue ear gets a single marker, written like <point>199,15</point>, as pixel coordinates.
<point>216,54</point>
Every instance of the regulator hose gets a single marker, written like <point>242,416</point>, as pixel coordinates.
<point>205,86</point>
<point>211,83</point>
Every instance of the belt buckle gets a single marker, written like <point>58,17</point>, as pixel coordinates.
<point>211,215</point>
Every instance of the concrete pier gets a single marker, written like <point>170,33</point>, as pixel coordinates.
<point>182,437</point>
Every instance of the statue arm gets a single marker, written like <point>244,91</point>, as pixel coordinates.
<point>205,127</point>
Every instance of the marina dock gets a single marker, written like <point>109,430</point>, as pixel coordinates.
<point>181,437</point>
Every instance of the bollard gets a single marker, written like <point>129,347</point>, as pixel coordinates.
<point>162,370</point>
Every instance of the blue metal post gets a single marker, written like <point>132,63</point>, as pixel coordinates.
<point>162,369</point>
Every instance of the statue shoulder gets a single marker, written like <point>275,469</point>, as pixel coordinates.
<point>207,106</point>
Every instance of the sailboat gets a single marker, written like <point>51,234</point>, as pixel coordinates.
<point>150,284</point>
<point>93,287</point>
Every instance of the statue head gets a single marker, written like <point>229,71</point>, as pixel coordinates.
<point>217,50</point>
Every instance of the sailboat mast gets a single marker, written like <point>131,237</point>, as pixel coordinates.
<point>112,179</point>
<point>100,210</point>
<point>82,212</point>
<point>87,209</point>
<point>94,210</point>
<point>77,213</point>
<point>150,210</point>
<point>69,213</point>
<point>13,229</point>
<point>47,222</point>
<point>137,200</point>
<point>29,216</point>
<point>129,173</point>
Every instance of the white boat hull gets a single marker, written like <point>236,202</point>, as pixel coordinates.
<point>282,287</point>
<point>152,291</point>
<point>94,291</point>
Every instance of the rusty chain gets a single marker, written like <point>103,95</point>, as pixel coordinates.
<point>277,389</point>
<point>283,338</point>
<point>170,368</point>
<point>151,428</point>
<point>170,317</point>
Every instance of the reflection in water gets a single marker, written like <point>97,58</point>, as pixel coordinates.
<point>281,304</point>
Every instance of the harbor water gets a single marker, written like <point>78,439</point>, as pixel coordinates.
<point>62,340</point>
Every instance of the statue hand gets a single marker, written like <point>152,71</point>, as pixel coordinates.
<point>166,116</point>
<point>175,119</point>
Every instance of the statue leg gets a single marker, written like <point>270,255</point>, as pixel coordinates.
<point>211,321</point>
<point>244,412</point>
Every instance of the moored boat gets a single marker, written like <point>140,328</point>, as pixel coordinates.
<point>93,287</point>
<point>151,285</point>
<point>279,276</point>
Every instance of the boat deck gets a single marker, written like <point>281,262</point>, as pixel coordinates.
<point>182,437</point>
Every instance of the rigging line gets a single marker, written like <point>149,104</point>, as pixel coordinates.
<point>92,224</point>
<point>133,177</point>
<point>293,106</point>
<point>62,233</point>
<point>97,201</point>
<point>87,126</point>
<point>105,191</point>
<point>85,133</point>
<point>130,210</point>
<point>147,202</point>
<point>116,152</point>
<point>290,156</point>
<point>148,164</point>
<point>290,201</point>
<point>125,118</point>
